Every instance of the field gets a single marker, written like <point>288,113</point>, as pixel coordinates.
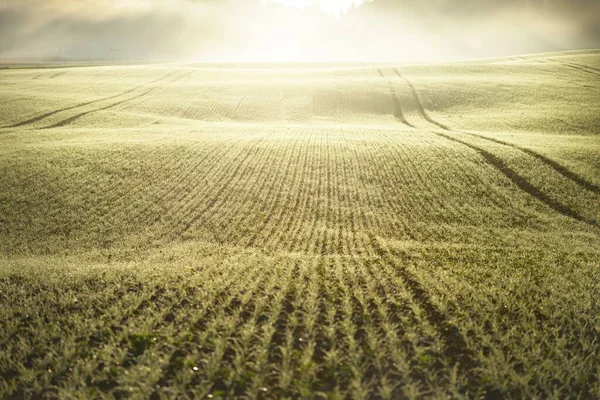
<point>301,231</point>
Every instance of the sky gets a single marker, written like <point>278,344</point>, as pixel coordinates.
<point>293,30</point>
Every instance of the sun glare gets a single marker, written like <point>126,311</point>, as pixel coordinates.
<point>333,7</point>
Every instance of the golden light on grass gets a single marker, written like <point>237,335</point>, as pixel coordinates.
<point>182,215</point>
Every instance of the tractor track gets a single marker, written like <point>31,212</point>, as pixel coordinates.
<point>578,67</point>
<point>69,120</point>
<point>398,112</point>
<point>50,113</point>
<point>508,172</point>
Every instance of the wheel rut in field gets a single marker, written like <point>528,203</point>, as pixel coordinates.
<point>419,104</point>
<point>567,173</point>
<point>579,67</point>
<point>239,104</point>
<point>511,174</point>
<point>56,75</point>
<point>398,113</point>
<point>546,160</point>
<point>51,113</point>
<point>69,120</point>
<point>457,349</point>
<point>521,182</point>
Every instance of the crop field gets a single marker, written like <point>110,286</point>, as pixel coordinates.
<point>301,231</point>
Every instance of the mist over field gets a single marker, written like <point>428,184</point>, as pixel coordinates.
<point>293,30</point>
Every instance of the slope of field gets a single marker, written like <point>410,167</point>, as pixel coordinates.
<point>318,231</point>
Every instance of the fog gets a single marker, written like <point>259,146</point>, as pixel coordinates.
<point>293,30</point>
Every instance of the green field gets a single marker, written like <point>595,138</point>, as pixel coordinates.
<point>301,231</point>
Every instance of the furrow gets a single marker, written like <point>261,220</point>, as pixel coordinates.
<point>273,321</point>
<point>179,214</point>
<point>238,168</point>
<point>114,322</point>
<point>248,323</point>
<point>433,201</point>
<point>357,220</point>
<point>228,208</point>
<point>390,211</point>
<point>298,188</point>
<point>351,326</point>
<point>199,326</point>
<point>295,234</point>
<point>239,103</point>
<point>337,195</point>
<point>360,164</point>
<point>400,331</point>
<point>286,337</point>
<point>321,244</point>
<point>311,242</point>
<point>168,193</point>
<point>272,221</point>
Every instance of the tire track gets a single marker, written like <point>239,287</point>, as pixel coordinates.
<point>578,179</point>
<point>108,107</point>
<point>420,107</point>
<point>398,113</point>
<point>57,74</point>
<point>511,174</point>
<point>239,103</point>
<point>50,113</point>
<point>579,67</point>
<point>522,183</point>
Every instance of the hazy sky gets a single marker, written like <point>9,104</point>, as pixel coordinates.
<point>294,30</point>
